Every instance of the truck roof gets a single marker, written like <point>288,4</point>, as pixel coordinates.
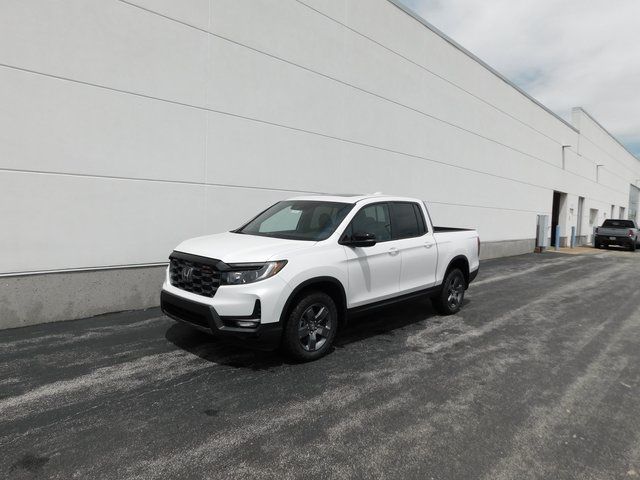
<point>353,198</point>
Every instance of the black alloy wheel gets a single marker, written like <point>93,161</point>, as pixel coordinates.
<point>450,299</point>
<point>311,327</point>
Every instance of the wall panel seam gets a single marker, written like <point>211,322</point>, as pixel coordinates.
<point>437,75</point>
<point>619,162</point>
<point>152,180</point>
<point>481,62</point>
<point>85,269</point>
<point>198,184</point>
<point>288,127</point>
<point>355,87</point>
<point>607,133</point>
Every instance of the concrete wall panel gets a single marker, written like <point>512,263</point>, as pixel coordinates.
<point>192,12</point>
<point>109,43</point>
<point>52,125</point>
<point>61,221</point>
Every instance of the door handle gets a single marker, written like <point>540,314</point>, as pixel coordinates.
<point>393,251</point>
<point>429,245</point>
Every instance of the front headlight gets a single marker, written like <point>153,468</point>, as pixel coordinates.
<point>243,273</point>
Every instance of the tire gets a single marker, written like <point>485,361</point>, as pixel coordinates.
<point>449,299</point>
<point>311,327</point>
<point>632,247</point>
<point>597,244</point>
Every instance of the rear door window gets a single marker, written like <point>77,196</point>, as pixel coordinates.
<point>421,222</point>
<point>404,220</point>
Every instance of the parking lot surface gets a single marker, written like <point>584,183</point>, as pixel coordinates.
<point>537,377</point>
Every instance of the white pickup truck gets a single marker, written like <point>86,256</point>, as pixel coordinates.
<point>292,275</point>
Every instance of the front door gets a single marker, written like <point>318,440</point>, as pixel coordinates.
<point>374,272</point>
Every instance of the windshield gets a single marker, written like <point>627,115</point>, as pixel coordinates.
<point>298,220</point>
<point>618,224</point>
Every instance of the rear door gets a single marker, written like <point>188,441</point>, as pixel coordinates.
<point>374,272</point>
<point>417,246</point>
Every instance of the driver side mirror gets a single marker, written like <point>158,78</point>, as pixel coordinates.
<point>361,239</point>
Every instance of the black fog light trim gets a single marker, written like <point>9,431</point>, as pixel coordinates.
<point>249,321</point>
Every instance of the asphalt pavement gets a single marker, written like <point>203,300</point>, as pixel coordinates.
<point>538,377</point>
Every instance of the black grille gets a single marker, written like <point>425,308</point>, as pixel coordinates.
<point>193,276</point>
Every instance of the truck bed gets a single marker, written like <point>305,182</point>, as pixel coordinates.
<point>451,229</point>
<point>452,242</point>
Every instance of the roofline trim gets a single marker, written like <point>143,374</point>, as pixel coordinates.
<point>580,109</point>
<point>455,44</point>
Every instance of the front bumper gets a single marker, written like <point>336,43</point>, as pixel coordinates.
<point>205,318</point>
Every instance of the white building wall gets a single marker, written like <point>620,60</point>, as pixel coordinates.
<point>127,126</point>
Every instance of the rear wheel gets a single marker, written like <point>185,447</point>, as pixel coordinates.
<point>450,298</point>
<point>311,327</point>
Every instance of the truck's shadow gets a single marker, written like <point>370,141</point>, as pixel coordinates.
<point>384,321</point>
<point>379,322</point>
<point>219,351</point>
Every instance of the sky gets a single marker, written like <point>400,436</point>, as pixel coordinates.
<point>564,53</point>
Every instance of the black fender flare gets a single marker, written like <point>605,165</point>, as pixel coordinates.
<point>465,271</point>
<point>338,288</point>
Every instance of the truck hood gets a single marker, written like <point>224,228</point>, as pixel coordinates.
<point>239,248</point>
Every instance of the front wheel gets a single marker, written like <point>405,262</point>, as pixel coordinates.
<point>450,298</point>
<point>311,327</point>
<point>632,247</point>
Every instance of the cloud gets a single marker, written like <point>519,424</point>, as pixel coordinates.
<point>565,54</point>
